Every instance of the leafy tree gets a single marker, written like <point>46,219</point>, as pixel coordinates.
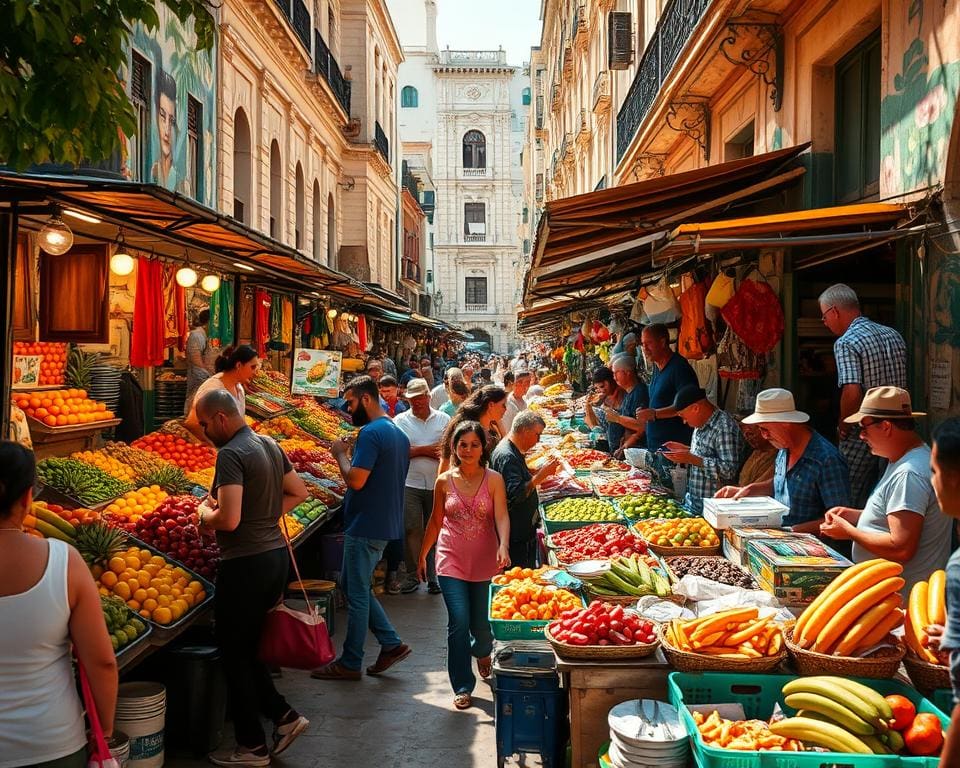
<point>61,99</point>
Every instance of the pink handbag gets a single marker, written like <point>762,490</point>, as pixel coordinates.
<point>292,638</point>
<point>100,752</point>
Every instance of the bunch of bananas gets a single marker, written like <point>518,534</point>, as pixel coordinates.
<point>839,714</point>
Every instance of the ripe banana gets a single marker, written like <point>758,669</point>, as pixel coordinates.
<point>799,630</point>
<point>874,742</point>
<point>833,710</point>
<point>853,609</point>
<point>823,686</point>
<point>866,693</point>
<point>864,625</point>
<point>936,593</point>
<point>828,735</point>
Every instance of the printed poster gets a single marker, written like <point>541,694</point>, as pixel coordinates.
<point>317,372</point>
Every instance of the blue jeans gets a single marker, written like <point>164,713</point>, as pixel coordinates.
<point>360,558</point>
<point>468,629</point>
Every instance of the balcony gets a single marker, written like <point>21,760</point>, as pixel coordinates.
<point>580,29</point>
<point>677,23</point>
<point>326,67</point>
<point>476,173</point>
<point>381,142</point>
<point>538,113</point>
<point>473,58</point>
<point>567,59</point>
<point>411,270</point>
<point>297,14</point>
<point>476,237</point>
<point>475,308</point>
<point>555,100</point>
<point>601,92</point>
<point>583,134</point>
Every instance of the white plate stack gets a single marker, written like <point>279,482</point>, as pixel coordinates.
<point>588,569</point>
<point>105,386</point>
<point>645,733</point>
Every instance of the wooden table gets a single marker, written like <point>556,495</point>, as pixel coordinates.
<point>594,687</point>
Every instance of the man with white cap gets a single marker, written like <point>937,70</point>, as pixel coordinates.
<point>902,520</point>
<point>810,476</point>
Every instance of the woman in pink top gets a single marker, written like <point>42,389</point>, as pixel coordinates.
<point>471,529</point>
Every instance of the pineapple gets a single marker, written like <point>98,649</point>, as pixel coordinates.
<point>97,542</point>
<point>79,370</point>
<point>172,479</point>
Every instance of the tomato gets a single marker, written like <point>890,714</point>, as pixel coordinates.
<point>903,711</point>
<point>925,735</point>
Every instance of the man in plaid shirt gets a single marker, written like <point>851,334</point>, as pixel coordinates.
<point>868,355</point>
<point>716,452</point>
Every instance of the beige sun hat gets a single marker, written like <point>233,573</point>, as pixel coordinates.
<point>776,405</point>
<point>884,403</point>
<point>415,388</point>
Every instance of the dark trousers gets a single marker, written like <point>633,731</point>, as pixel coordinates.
<point>393,554</point>
<point>247,588</point>
<point>524,553</point>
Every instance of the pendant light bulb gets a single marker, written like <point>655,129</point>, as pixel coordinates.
<point>210,283</point>
<point>121,263</point>
<point>331,313</point>
<point>186,277</point>
<point>55,237</point>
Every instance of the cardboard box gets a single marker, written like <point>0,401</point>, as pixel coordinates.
<point>735,540</point>
<point>795,570</point>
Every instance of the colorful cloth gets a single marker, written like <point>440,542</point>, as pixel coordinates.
<point>147,346</point>
<point>467,543</point>
<point>220,330</point>
<point>261,320</point>
<point>755,315</point>
<point>174,309</point>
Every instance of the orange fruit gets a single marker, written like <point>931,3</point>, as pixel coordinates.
<point>108,579</point>
<point>133,605</point>
<point>162,615</point>
<point>150,604</point>
<point>140,595</point>
<point>117,564</point>
<point>122,590</point>
<point>133,561</point>
<point>903,711</point>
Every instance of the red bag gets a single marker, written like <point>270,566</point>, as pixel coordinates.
<point>292,638</point>
<point>755,315</point>
<point>99,752</point>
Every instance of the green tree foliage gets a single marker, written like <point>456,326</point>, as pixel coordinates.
<point>61,99</point>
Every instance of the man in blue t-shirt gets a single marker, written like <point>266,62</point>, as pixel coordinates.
<point>372,516</point>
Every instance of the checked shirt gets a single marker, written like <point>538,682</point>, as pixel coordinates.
<point>721,446</point>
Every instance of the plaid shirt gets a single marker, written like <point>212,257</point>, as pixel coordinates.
<point>871,355</point>
<point>721,446</point>
<point>818,481</point>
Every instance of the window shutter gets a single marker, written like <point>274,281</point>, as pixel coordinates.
<point>620,38</point>
<point>140,80</point>
<point>193,117</point>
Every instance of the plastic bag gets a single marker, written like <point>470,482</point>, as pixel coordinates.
<point>660,305</point>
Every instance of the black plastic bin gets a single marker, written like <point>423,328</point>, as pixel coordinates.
<point>196,699</point>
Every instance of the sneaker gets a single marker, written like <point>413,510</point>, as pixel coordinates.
<point>433,588</point>
<point>335,671</point>
<point>241,756</point>
<point>410,584</point>
<point>393,584</point>
<point>285,733</point>
<point>387,659</point>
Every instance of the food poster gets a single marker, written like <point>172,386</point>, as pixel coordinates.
<point>317,372</point>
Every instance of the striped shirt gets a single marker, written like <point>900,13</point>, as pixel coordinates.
<point>721,446</point>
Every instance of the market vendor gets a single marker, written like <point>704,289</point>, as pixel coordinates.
<point>609,394</point>
<point>809,475</point>
<point>902,520</point>
<point>716,452</point>
<point>236,367</point>
<point>624,369</point>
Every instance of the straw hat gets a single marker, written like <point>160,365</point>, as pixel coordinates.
<point>415,388</point>
<point>776,405</point>
<point>884,403</point>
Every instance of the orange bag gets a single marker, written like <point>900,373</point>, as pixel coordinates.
<point>696,338</point>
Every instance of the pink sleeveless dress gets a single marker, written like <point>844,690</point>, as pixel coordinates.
<point>467,544</point>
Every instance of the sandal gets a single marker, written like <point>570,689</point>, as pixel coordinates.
<point>484,667</point>
<point>462,701</point>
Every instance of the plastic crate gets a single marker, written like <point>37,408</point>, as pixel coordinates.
<point>942,699</point>
<point>520,629</point>
<point>758,694</point>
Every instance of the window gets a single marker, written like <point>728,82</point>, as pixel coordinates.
<point>331,31</point>
<point>526,214</point>
<point>740,144</point>
<point>475,292</point>
<point>409,97</point>
<point>475,219</point>
<point>276,191</point>
<point>474,150</point>
<point>317,221</point>
<point>857,145</point>
<point>82,271</point>
<point>194,147</point>
<point>140,82</point>
<point>526,97</point>
<point>301,212</point>
<point>242,187</point>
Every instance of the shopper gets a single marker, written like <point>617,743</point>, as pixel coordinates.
<point>522,499</point>
<point>375,370</point>
<point>458,391</point>
<point>236,367</point>
<point>486,405</point>
<point>48,603</point>
<point>253,485</point>
<point>440,394</point>
<point>509,378</point>
<point>809,476</point>
<point>901,520</point>
<point>759,464</point>
<point>716,452</point>
<point>372,516</point>
<point>471,528</point>
<point>390,395</point>
<point>609,394</point>
<point>424,428</point>
<point>515,400</point>
<point>200,361</point>
<point>624,368</point>
<point>867,355</point>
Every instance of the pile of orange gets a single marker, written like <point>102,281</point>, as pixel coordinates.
<point>62,407</point>
<point>528,601</point>
<point>682,532</point>
<point>107,463</point>
<point>79,516</point>
<point>519,574</point>
<point>53,363</point>
<point>135,504</point>
<point>150,585</point>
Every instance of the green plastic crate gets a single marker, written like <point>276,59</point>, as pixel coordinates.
<point>522,629</point>
<point>552,526</point>
<point>942,699</point>
<point>758,694</point>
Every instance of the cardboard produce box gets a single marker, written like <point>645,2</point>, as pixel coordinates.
<point>795,570</point>
<point>735,540</point>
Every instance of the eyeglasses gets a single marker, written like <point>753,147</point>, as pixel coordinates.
<point>867,424</point>
<point>824,316</point>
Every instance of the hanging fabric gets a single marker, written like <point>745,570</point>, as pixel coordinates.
<point>220,330</point>
<point>735,360</point>
<point>147,345</point>
<point>261,321</point>
<point>721,290</point>
<point>696,338</point>
<point>755,314</point>
<point>174,309</point>
<point>275,342</point>
<point>287,324</point>
<point>362,332</point>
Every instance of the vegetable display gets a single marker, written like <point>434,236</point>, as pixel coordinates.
<point>528,601</point>
<point>602,624</point>
<point>577,509</point>
<point>80,481</point>
<point>123,627</point>
<point>599,540</point>
<point>520,574</point>
<point>691,532</point>
<point>629,486</point>
<point>650,506</point>
<point>715,568</point>
<point>188,456</point>
<point>628,576</point>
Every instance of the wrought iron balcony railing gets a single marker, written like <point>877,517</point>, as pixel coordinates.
<point>326,67</point>
<point>381,142</point>
<point>297,14</point>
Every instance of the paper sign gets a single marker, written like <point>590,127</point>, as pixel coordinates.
<point>941,383</point>
<point>316,372</point>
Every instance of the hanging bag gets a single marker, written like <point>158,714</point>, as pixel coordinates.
<point>99,756</point>
<point>696,339</point>
<point>660,305</point>
<point>755,314</point>
<point>721,291</point>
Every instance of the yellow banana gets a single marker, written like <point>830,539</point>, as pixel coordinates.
<point>832,709</point>
<point>853,609</point>
<point>865,692</point>
<point>828,735</point>
<point>821,686</point>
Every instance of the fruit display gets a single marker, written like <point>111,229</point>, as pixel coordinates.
<point>685,532</point>
<point>549,404</point>
<point>77,516</point>
<point>282,428</point>
<point>123,626</point>
<point>271,382</point>
<point>519,574</point>
<point>526,600</point>
<point>62,407</point>
<point>134,504</point>
<point>714,568</point>
<point>307,512</point>
<point>50,522</point>
<point>98,543</point>
<point>594,460</point>
<point>737,633</point>
<point>628,576</point>
<point>626,487</point>
<point>265,402</point>
<point>80,481</point>
<point>141,462</point>
<point>581,509</point>
<point>557,390</point>
<point>602,624</point>
<point>110,465</point>
<point>650,506</point>
<point>855,611</point>
<point>558,486</point>
<point>202,477</point>
<point>596,541</point>
<point>742,735</point>
<point>926,605</point>
<point>172,528</point>
<point>150,585</point>
<point>320,420</point>
<point>290,526</point>
<point>53,364</point>
<point>188,456</point>
<point>170,478</point>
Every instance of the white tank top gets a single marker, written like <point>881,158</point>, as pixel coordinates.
<point>41,717</point>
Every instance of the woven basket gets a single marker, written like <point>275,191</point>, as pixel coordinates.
<point>623,600</point>
<point>926,677</point>
<point>600,652</point>
<point>675,551</point>
<point>883,664</point>
<point>685,661</point>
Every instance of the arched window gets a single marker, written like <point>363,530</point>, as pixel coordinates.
<point>317,221</point>
<point>474,150</point>
<point>526,96</point>
<point>409,97</point>
<point>276,191</point>
<point>242,190</point>
<point>299,235</point>
<point>331,233</point>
